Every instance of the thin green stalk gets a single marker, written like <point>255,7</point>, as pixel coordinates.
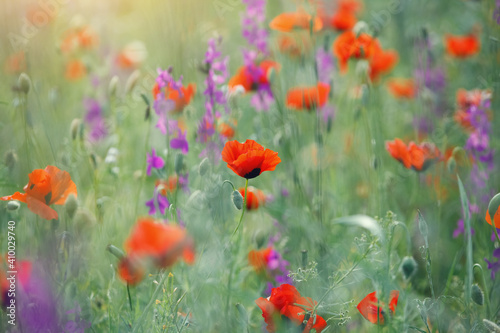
<point>129,297</point>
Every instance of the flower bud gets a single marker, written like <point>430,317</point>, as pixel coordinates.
<point>13,205</point>
<point>71,205</point>
<point>10,159</point>
<point>422,225</point>
<point>360,27</point>
<point>493,208</point>
<point>115,251</point>
<point>204,166</point>
<point>451,164</point>
<point>237,199</point>
<point>408,267</point>
<point>491,326</point>
<point>260,238</point>
<point>113,86</point>
<point>75,128</point>
<point>477,294</point>
<point>24,83</point>
<point>83,219</point>
<point>132,81</point>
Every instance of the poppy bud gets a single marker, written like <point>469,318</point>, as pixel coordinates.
<point>75,128</point>
<point>115,251</point>
<point>493,207</point>
<point>237,199</point>
<point>408,267</point>
<point>83,219</point>
<point>459,154</point>
<point>13,205</point>
<point>422,225</point>
<point>260,238</point>
<point>491,326</point>
<point>113,86</point>
<point>10,159</point>
<point>179,163</point>
<point>71,205</point>
<point>204,167</point>
<point>242,311</point>
<point>362,68</point>
<point>360,27</point>
<point>24,83</point>
<point>451,164</point>
<point>132,81</point>
<point>477,294</point>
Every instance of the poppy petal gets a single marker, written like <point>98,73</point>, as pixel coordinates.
<point>41,209</point>
<point>16,196</point>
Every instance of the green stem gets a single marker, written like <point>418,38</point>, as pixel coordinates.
<point>242,208</point>
<point>129,297</point>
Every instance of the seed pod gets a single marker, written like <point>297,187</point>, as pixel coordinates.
<point>71,205</point>
<point>237,199</point>
<point>10,159</point>
<point>13,205</point>
<point>491,326</point>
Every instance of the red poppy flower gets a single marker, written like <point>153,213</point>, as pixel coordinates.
<point>164,243</point>
<point>259,258</point>
<point>285,301</point>
<point>418,157</point>
<point>344,18</point>
<point>462,46</point>
<point>255,197</point>
<point>251,77</point>
<point>78,38</point>
<point>130,270</point>
<point>494,210</point>
<point>75,70</point>
<point>294,45</point>
<point>249,159</point>
<point>287,22</point>
<point>402,88</point>
<point>348,45</point>
<point>372,309</point>
<point>45,187</point>
<point>181,100</point>
<point>15,63</point>
<point>382,62</point>
<point>167,186</point>
<point>307,98</point>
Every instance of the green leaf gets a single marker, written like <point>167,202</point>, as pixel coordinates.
<point>468,241</point>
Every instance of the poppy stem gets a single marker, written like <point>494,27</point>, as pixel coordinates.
<point>129,298</point>
<point>242,208</point>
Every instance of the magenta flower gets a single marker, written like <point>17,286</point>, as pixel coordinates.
<point>158,202</point>
<point>494,266</point>
<point>154,161</point>
<point>180,142</point>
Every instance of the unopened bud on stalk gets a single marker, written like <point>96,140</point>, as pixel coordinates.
<point>113,86</point>
<point>132,81</point>
<point>360,27</point>
<point>71,205</point>
<point>242,311</point>
<point>10,159</point>
<point>451,164</point>
<point>13,205</point>
<point>491,326</point>
<point>115,251</point>
<point>260,238</point>
<point>422,225</point>
<point>408,267</point>
<point>204,166</point>
<point>24,83</point>
<point>83,219</point>
<point>477,294</point>
<point>75,128</point>
<point>237,199</point>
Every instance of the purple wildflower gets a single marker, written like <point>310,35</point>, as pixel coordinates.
<point>217,75</point>
<point>180,142</point>
<point>154,161</point>
<point>206,128</point>
<point>494,266</point>
<point>95,120</point>
<point>159,202</point>
<point>163,106</point>
<point>325,65</point>
<point>461,229</point>
<point>252,23</point>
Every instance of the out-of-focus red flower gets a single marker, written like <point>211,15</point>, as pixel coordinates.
<point>286,303</point>
<point>181,100</point>
<point>382,62</point>
<point>300,98</point>
<point>259,258</point>
<point>132,55</point>
<point>347,45</point>
<point>465,99</point>
<point>287,22</point>
<point>372,310</point>
<point>344,17</point>
<point>167,186</point>
<point>294,45</point>
<point>494,210</point>
<point>75,70</point>
<point>462,46</point>
<point>417,157</point>
<point>155,241</point>
<point>45,187</point>
<point>249,159</point>
<point>79,38</point>
<point>15,63</point>
<point>402,88</point>
<point>227,130</point>
<point>255,197</point>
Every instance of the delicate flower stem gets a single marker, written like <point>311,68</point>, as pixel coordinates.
<point>242,208</point>
<point>129,297</point>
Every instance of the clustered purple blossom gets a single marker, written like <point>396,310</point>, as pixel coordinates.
<point>494,266</point>
<point>159,202</point>
<point>478,145</point>
<point>153,161</point>
<point>325,66</point>
<point>162,106</point>
<point>252,22</point>
<point>94,118</point>
<point>276,265</point>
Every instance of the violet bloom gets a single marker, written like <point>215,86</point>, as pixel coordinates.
<point>158,202</point>
<point>162,106</point>
<point>180,142</point>
<point>325,65</point>
<point>217,75</point>
<point>461,229</point>
<point>494,266</point>
<point>252,23</point>
<point>153,161</point>
<point>95,120</point>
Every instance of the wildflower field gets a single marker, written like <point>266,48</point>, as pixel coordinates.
<point>249,166</point>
